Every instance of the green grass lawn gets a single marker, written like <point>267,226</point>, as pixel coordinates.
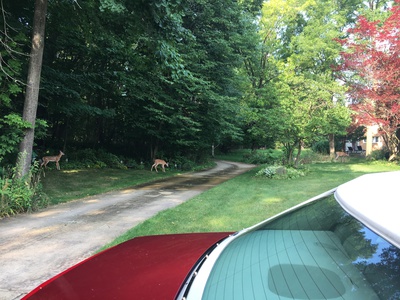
<point>246,199</point>
<point>66,185</point>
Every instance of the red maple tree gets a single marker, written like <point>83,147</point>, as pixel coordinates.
<point>370,65</point>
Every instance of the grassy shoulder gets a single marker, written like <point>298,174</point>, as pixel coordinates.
<point>247,199</point>
<point>66,185</point>
<point>71,184</point>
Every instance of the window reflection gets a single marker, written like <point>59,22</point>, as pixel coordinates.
<point>377,260</point>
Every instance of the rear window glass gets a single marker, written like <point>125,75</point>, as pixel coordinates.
<point>316,252</point>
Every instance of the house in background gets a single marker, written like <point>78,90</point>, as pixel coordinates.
<point>376,142</point>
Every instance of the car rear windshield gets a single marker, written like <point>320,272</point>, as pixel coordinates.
<point>316,252</point>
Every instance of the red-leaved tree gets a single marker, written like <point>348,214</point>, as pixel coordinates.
<point>371,67</point>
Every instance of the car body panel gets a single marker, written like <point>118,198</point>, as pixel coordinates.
<point>362,198</point>
<point>152,267</point>
<point>338,245</point>
<point>371,199</point>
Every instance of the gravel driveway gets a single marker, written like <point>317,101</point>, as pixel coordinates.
<point>34,247</point>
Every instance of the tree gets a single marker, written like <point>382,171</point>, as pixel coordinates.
<point>278,22</point>
<point>145,77</point>
<point>32,88</point>
<point>11,124</point>
<point>315,51</point>
<point>293,85</point>
<point>371,68</point>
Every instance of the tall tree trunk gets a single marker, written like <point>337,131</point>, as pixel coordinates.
<point>331,145</point>
<point>33,84</point>
<point>299,147</point>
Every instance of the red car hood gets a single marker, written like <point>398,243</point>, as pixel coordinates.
<point>151,267</point>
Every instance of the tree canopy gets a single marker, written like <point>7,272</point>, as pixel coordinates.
<point>292,80</point>
<point>162,78</point>
<point>371,67</point>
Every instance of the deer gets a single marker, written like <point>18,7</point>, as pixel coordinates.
<point>56,159</point>
<point>159,162</point>
<point>341,154</point>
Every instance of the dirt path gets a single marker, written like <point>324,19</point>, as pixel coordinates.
<point>35,247</point>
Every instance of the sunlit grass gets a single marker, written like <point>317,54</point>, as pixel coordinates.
<point>246,199</point>
<point>66,185</point>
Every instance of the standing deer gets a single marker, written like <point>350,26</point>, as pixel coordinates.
<point>56,159</point>
<point>159,162</point>
<point>341,155</point>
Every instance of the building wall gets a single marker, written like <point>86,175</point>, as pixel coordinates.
<point>377,141</point>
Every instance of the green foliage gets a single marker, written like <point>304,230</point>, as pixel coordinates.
<point>11,131</point>
<point>158,76</point>
<point>186,163</point>
<point>309,156</point>
<point>262,157</point>
<point>133,164</point>
<point>321,146</point>
<point>382,154</point>
<point>356,134</point>
<point>175,77</point>
<point>12,62</point>
<point>90,158</point>
<point>182,163</point>
<point>294,96</point>
<point>40,129</point>
<point>18,195</point>
<point>281,172</point>
<point>111,6</point>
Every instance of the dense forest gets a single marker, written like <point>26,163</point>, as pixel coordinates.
<point>171,78</point>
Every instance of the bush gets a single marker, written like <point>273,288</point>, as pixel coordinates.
<point>280,172</point>
<point>321,147</point>
<point>18,195</point>
<point>189,164</point>
<point>132,164</point>
<point>90,158</point>
<point>262,157</point>
<point>308,157</point>
<point>182,163</point>
<point>378,155</point>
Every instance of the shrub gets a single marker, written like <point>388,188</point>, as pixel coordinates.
<point>110,160</point>
<point>308,157</point>
<point>262,157</point>
<point>321,146</point>
<point>182,163</point>
<point>18,195</point>
<point>381,154</point>
<point>280,172</point>
<point>132,164</point>
<point>188,164</point>
<point>90,158</point>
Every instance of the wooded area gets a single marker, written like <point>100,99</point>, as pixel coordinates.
<point>159,78</point>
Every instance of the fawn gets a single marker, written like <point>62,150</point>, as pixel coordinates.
<point>48,159</point>
<point>159,162</point>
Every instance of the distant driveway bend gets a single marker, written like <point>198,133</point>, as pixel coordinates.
<point>34,247</point>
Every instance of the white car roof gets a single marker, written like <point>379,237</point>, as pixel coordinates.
<point>374,199</point>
